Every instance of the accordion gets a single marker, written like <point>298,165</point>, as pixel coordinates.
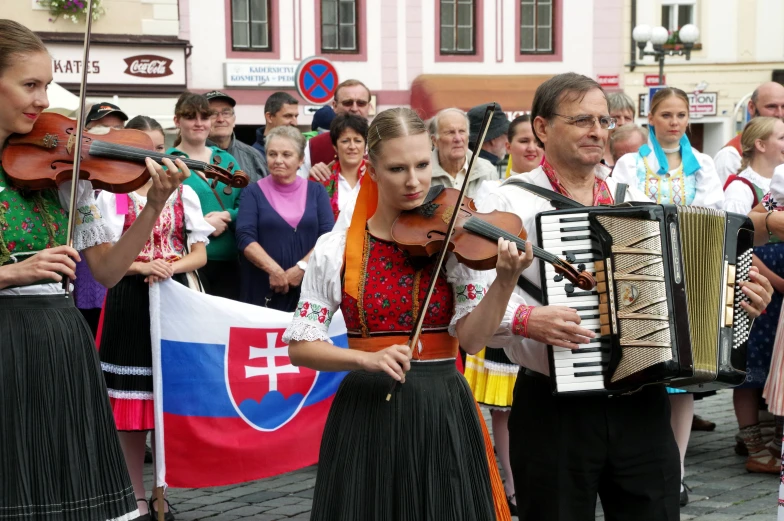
<point>666,307</point>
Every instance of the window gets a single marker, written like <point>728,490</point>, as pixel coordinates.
<point>339,26</point>
<point>457,26</point>
<point>677,13</point>
<point>536,27</point>
<point>250,21</point>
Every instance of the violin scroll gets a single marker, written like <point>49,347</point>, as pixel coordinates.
<point>580,278</point>
<point>238,179</point>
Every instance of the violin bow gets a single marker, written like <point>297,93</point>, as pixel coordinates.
<point>413,340</point>
<point>77,164</point>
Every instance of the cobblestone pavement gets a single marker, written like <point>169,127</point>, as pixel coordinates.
<point>722,489</point>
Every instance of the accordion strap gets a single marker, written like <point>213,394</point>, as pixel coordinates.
<point>530,288</point>
<point>558,201</point>
<point>620,192</point>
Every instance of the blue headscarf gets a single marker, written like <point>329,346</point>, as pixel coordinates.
<point>689,160</point>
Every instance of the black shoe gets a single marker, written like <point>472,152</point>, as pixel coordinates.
<point>168,516</point>
<point>512,506</point>
<point>145,517</point>
<point>147,455</point>
<point>684,494</point>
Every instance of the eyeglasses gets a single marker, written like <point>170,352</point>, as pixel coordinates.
<point>348,103</point>
<point>588,121</point>
<point>226,113</point>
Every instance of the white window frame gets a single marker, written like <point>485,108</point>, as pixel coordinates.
<point>249,22</point>
<point>455,50</point>
<point>673,23</point>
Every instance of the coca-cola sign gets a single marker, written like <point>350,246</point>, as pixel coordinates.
<point>148,66</point>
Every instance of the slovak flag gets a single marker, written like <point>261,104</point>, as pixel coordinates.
<point>229,405</point>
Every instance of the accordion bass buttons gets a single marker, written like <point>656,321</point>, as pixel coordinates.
<point>729,300</point>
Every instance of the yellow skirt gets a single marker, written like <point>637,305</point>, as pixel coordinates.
<point>491,377</point>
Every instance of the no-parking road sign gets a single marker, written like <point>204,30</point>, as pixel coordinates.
<point>317,80</point>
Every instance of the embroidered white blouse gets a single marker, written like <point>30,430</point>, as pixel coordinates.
<point>706,190</point>
<point>322,287</point>
<point>198,229</point>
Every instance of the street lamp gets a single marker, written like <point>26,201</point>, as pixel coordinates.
<point>642,34</point>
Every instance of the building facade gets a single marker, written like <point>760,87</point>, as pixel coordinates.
<point>741,45</point>
<point>427,54</point>
<point>137,59</point>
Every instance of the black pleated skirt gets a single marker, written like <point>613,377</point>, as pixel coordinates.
<point>126,353</point>
<point>419,457</point>
<point>60,459</point>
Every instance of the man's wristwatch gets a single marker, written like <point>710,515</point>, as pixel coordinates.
<point>302,265</point>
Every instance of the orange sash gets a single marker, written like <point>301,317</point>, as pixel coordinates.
<point>435,346</point>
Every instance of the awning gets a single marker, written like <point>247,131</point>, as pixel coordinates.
<point>433,92</point>
<point>61,100</point>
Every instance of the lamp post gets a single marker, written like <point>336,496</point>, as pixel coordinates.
<point>642,34</point>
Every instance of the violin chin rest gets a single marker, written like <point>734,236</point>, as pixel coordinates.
<point>434,192</point>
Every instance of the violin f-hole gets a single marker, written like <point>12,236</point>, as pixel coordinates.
<point>57,164</point>
<point>438,233</point>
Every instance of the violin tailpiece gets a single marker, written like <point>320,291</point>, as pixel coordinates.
<point>46,141</point>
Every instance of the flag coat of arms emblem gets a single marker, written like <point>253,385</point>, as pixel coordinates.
<point>230,406</point>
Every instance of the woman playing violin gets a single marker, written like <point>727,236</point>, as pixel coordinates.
<point>194,117</point>
<point>60,455</point>
<point>421,455</point>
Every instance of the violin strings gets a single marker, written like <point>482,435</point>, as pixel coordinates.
<point>122,152</point>
<point>139,154</point>
<point>490,231</point>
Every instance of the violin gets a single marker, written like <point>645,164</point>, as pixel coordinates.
<point>422,233</point>
<point>44,158</point>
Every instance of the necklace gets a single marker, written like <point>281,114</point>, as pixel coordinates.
<point>671,150</point>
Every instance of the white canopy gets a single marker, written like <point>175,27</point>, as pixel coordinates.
<point>61,100</point>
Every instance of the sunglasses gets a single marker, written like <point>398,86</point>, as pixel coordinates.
<point>348,103</point>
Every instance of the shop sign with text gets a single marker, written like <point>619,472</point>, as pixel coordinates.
<point>702,104</point>
<point>121,65</point>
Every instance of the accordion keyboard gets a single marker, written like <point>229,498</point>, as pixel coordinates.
<point>568,237</point>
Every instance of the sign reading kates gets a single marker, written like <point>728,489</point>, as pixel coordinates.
<point>109,64</point>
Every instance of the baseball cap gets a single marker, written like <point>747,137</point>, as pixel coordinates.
<point>99,110</point>
<point>216,94</point>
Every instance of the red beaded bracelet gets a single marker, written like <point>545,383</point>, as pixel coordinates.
<point>520,320</point>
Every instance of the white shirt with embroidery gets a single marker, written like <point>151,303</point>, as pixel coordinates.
<point>198,229</point>
<point>322,291</point>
